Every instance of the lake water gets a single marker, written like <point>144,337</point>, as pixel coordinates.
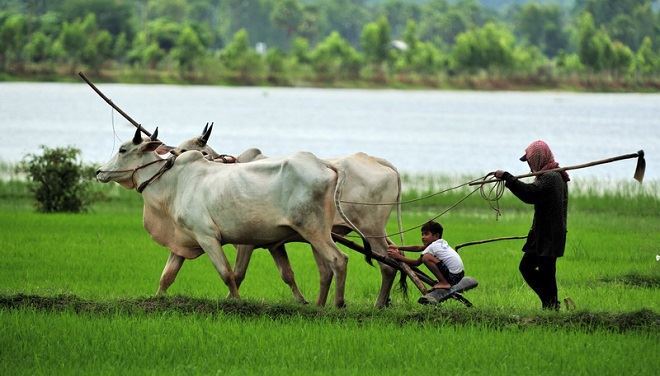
<point>443,132</point>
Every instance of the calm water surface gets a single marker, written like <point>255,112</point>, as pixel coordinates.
<point>457,132</point>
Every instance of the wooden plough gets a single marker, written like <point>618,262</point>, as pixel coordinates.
<point>419,278</point>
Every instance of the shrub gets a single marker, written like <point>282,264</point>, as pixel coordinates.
<point>58,180</point>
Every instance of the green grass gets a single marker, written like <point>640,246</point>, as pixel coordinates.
<point>84,281</point>
<point>171,343</point>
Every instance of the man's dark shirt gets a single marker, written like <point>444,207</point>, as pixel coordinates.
<point>549,195</point>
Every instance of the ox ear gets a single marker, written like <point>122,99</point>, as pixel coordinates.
<point>154,136</point>
<point>150,146</point>
<point>207,134</point>
<point>137,138</point>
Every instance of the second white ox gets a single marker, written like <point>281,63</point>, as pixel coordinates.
<point>193,206</point>
<point>368,179</point>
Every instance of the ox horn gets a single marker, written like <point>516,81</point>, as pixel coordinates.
<point>137,138</point>
<point>154,136</point>
<point>207,133</point>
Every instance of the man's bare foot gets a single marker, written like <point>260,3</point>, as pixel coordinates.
<point>444,286</point>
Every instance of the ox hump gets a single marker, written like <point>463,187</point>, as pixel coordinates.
<point>190,156</point>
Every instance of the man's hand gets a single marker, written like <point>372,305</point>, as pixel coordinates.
<point>499,174</point>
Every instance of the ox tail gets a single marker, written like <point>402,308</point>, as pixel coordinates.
<point>341,178</point>
<point>403,285</point>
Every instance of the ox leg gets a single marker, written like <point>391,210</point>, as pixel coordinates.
<point>172,267</point>
<point>284,266</point>
<point>337,261</point>
<point>387,273</point>
<point>217,256</point>
<point>325,278</point>
<point>243,256</point>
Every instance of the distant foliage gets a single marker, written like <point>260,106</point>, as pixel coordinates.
<point>282,42</point>
<point>58,180</point>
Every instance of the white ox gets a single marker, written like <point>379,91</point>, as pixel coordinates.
<point>368,180</point>
<point>196,205</point>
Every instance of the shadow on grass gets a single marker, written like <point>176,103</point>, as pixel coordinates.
<point>643,320</point>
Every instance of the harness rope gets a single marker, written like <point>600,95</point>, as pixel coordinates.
<point>169,162</point>
<point>491,195</point>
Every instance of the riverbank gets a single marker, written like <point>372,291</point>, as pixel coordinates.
<point>593,83</point>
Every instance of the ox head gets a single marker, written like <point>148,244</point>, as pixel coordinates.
<point>132,155</point>
<point>199,143</point>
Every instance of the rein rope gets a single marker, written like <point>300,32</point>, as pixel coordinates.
<point>169,162</point>
<point>490,195</point>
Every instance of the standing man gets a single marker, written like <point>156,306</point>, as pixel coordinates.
<point>547,237</point>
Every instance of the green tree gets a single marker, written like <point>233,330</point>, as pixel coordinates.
<point>97,50</point>
<point>441,22</point>
<point>12,39</point>
<point>627,21</point>
<point>398,13</point>
<point>151,55</point>
<point>189,50</point>
<point>73,39</point>
<point>115,16</point>
<point>646,60</point>
<point>120,48</point>
<point>375,41</point>
<point>300,50</point>
<point>287,15</point>
<point>346,17</point>
<point>144,52</point>
<point>243,62</point>
<point>597,51</point>
<point>164,32</point>
<point>275,62</point>
<point>170,10</point>
<point>255,17</point>
<point>489,47</point>
<point>335,58</point>
<point>569,63</point>
<point>542,26</point>
<point>589,50</point>
<point>620,58</point>
<point>38,48</point>
<point>309,25</point>
<point>419,57</point>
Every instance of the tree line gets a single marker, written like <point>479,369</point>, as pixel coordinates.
<point>289,42</point>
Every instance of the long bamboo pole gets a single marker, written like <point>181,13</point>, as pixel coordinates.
<point>639,170</point>
<point>109,101</point>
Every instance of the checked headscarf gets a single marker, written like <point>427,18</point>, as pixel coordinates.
<point>540,158</point>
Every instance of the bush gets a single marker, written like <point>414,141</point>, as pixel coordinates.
<point>58,180</point>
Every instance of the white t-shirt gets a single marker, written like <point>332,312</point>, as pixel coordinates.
<point>443,252</point>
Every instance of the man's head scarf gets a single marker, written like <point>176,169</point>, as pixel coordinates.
<point>540,158</point>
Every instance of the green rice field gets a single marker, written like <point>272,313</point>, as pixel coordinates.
<point>76,297</point>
